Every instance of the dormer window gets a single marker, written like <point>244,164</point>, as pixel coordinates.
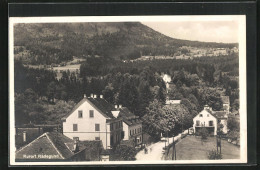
<point>91,113</point>
<point>80,114</point>
<point>201,115</point>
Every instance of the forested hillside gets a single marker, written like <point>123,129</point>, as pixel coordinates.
<point>48,43</point>
<point>41,98</point>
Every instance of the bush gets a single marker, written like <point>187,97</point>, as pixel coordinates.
<point>123,153</point>
<point>204,133</point>
<point>214,155</point>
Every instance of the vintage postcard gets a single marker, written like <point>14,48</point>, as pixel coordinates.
<point>127,90</point>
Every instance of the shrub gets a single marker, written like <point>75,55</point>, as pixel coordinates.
<point>204,133</point>
<point>214,155</point>
<point>123,153</point>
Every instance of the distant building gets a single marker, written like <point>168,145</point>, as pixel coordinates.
<point>94,118</point>
<point>132,127</point>
<point>226,103</point>
<point>166,78</point>
<point>53,146</point>
<point>169,102</point>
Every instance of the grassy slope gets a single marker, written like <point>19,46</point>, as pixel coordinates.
<point>191,148</point>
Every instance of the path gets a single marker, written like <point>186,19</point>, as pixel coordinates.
<point>155,150</point>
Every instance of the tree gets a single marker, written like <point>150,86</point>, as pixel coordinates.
<point>152,120</point>
<point>233,123</point>
<point>204,133</point>
<point>51,91</point>
<point>109,93</point>
<point>145,97</point>
<point>123,153</point>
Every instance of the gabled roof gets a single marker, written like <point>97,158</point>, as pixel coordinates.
<point>103,105</point>
<point>50,143</point>
<point>225,99</point>
<point>92,149</point>
<point>128,117</point>
<point>207,110</point>
<point>125,112</point>
<point>100,104</point>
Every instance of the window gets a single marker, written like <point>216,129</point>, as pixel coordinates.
<point>91,113</point>
<point>111,126</point>
<point>75,127</point>
<point>97,138</point>
<point>208,115</point>
<point>130,132</point>
<point>140,138</point>
<point>135,131</point>
<point>76,138</point>
<point>197,123</point>
<point>80,115</point>
<point>211,123</point>
<point>97,128</point>
<point>201,115</point>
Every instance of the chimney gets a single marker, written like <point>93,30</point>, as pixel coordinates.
<point>85,96</point>
<point>76,146</point>
<point>120,106</point>
<point>206,107</point>
<point>101,96</point>
<point>115,106</point>
<point>24,136</point>
<point>95,96</point>
<point>91,95</point>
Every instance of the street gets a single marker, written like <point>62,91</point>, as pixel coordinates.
<point>155,151</point>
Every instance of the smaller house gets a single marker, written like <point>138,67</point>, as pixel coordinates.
<point>210,119</point>
<point>169,102</point>
<point>132,127</point>
<point>205,119</point>
<point>53,146</point>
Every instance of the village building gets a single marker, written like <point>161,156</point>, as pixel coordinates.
<point>226,103</point>
<point>93,118</point>
<point>132,127</point>
<point>26,133</point>
<point>210,119</point>
<point>53,146</point>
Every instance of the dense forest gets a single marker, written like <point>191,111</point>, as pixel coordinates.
<point>48,43</point>
<point>41,98</point>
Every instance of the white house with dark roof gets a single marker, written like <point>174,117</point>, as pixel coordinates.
<point>205,119</point>
<point>210,119</point>
<point>132,126</point>
<point>93,118</point>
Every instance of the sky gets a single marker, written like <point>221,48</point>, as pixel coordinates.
<point>206,31</point>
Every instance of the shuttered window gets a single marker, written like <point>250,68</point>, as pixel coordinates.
<point>75,127</point>
<point>97,127</point>
<point>91,113</point>
<point>80,114</point>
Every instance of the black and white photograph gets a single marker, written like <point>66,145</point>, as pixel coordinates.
<point>127,90</point>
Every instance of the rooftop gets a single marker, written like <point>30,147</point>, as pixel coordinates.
<point>99,103</point>
<point>50,143</point>
<point>225,99</point>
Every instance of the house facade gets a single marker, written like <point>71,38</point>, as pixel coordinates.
<point>93,118</point>
<point>205,119</point>
<point>132,127</point>
<point>210,119</point>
